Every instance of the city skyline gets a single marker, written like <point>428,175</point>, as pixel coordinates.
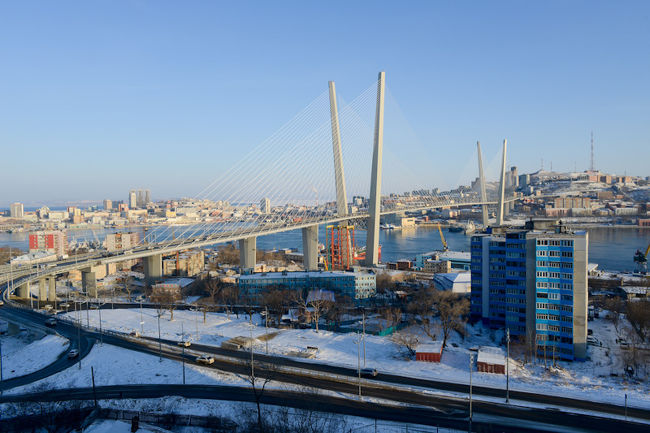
<point>122,108</point>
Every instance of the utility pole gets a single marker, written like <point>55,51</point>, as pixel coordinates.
<point>1,356</point>
<point>183,340</point>
<point>92,375</point>
<point>358,343</point>
<point>141,320</point>
<point>471,362</point>
<point>508,365</point>
<point>251,345</point>
<point>266,331</point>
<point>101,335</point>
<point>625,406</point>
<point>364,337</point>
<point>159,340</point>
<point>79,332</point>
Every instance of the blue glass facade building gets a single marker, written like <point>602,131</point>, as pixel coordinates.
<point>534,283</point>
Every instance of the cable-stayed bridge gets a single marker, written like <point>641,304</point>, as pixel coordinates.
<point>293,170</point>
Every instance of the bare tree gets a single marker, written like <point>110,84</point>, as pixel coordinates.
<point>638,314</point>
<point>127,286</point>
<point>406,340</point>
<point>166,298</point>
<point>319,307</point>
<point>392,316</point>
<point>451,309</point>
<point>615,306</point>
<point>228,254</point>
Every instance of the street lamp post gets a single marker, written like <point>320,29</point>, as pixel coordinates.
<point>358,343</point>
<point>508,365</point>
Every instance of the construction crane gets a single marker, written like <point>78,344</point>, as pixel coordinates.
<point>641,260</point>
<point>445,247</point>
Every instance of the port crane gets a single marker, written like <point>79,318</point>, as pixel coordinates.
<point>445,247</point>
<point>641,260</point>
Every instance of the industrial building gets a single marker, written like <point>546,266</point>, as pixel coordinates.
<point>456,282</point>
<point>459,260</point>
<point>533,281</point>
<point>356,285</point>
<point>52,241</point>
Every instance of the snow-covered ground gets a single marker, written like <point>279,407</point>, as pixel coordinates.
<point>117,366</point>
<point>242,413</point>
<point>25,352</point>
<point>583,380</point>
<point>113,426</point>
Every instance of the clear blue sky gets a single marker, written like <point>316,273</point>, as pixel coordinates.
<point>97,97</point>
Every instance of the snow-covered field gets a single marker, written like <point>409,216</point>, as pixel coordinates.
<point>583,380</point>
<point>117,366</point>
<point>24,353</point>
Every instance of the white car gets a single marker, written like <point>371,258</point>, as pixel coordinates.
<point>73,353</point>
<point>204,359</point>
<point>186,343</point>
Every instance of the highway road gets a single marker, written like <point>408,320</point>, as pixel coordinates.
<point>441,408</point>
<point>37,321</point>
<point>508,419</point>
<point>434,385</point>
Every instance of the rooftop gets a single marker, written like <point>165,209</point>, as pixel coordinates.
<point>303,274</point>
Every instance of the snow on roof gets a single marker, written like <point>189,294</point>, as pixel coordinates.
<point>34,255</point>
<point>635,290</point>
<point>491,355</point>
<point>456,277</point>
<point>450,255</point>
<point>433,347</point>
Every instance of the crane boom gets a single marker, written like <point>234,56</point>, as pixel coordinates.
<point>444,242</point>
<point>647,250</point>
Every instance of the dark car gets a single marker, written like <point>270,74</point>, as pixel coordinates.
<point>369,372</point>
<point>50,322</point>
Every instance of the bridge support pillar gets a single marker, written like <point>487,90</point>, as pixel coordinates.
<point>339,176</point>
<point>374,209</point>
<point>502,187</point>
<point>89,282</point>
<point>310,247</point>
<point>42,291</point>
<point>51,292</point>
<point>247,254</point>
<point>481,177</point>
<point>152,268</point>
<point>23,291</point>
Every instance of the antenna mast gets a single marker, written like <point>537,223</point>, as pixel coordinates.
<point>592,150</point>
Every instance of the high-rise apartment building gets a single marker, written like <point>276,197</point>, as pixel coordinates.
<point>133,199</point>
<point>16,210</point>
<point>147,197</point>
<point>533,281</point>
<point>108,204</point>
<point>265,206</point>
<point>121,241</point>
<point>52,241</point>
